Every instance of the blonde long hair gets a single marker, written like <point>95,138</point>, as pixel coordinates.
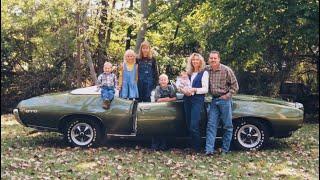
<point>190,68</point>
<point>126,54</point>
<point>145,43</point>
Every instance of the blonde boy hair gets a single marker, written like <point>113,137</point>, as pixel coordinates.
<point>145,43</point>
<point>190,68</point>
<point>163,76</point>
<point>129,51</point>
<point>107,64</point>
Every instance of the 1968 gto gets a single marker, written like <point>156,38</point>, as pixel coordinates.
<point>79,115</point>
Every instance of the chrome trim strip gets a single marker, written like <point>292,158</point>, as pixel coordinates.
<point>135,123</point>
<point>17,117</point>
<point>80,114</point>
<point>123,135</point>
<point>134,135</point>
<point>42,127</point>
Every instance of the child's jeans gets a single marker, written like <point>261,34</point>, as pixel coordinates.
<point>107,92</point>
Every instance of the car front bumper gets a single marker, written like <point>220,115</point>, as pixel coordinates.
<point>16,115</point>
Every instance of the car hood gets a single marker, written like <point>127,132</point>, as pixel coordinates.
<point>264,99</point>
<point>44,99</point>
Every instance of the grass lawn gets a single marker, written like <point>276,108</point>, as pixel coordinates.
<point>26,154</point>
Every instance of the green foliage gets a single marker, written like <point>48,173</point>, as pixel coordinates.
<point>36,38</point>
<point>262,35</point>
<point>40,43</point>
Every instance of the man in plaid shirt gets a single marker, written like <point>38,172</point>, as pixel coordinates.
<point>223,85</point>
<point>107,81</point>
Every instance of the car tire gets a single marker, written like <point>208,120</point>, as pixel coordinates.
<point>83,133</point>
<point>250,135</point>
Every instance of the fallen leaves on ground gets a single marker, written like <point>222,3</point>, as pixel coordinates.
<point>28,154</point>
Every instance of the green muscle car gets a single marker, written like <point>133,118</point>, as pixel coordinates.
<point>79,115</point>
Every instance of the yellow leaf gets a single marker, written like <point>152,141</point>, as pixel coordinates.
<point>86,165</point>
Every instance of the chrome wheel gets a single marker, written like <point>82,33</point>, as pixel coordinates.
<point>82,134</point>
<point>249,136</point>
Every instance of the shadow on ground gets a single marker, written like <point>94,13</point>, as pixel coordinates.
<point>56,140</point>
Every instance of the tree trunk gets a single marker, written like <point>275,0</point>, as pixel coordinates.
<point>143,28</point>
<point>110,26</point>
<point>129,30</point>
<point>87,53</point>
<point>101,49</point>
<point>90,63</point>
<point>317,60</point>
<point>78,56</point>
<point>171,45</point>
<point>128,39</point>
<point>169,69</point>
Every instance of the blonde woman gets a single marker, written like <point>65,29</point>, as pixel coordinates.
<point>194,97</point>
<point>128,76</point>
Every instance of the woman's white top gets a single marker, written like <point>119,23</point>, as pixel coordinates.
<point>204,81</point>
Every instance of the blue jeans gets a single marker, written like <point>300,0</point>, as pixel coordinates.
<point>107,93</point>
<point>192,107</point>
<point>145,88</point>
<point>219,109</point>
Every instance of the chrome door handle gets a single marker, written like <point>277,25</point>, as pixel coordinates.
<point>145,108</point>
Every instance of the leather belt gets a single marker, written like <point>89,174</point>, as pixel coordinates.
<point>217,95</point>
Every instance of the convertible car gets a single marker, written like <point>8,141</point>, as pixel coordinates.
<point>79,115</point>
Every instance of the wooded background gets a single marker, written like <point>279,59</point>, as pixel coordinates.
<point>50,46</point>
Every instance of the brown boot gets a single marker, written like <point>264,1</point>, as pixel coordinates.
<point>106,104</point>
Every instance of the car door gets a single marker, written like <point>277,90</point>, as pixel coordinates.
<point>160,118</point>
<point>165,118</point>
<point>119,119</point>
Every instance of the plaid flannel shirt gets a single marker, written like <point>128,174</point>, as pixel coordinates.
<point>222,81</point>
<point>107,79</point>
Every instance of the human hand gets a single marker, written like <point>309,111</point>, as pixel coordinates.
<point>193,90</point>
<point>166,99</point>
<point>160,100</point>
<point>225,97</point>
<point>187,92</point>
<point>182,90</point>
<point>118,88</point>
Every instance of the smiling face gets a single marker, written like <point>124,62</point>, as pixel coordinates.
<point>130,57</point>
<point>196,62</point>
<point>107,68</point>
<point>145,50</point>
<point>163,81</point>
<point>214,60</point>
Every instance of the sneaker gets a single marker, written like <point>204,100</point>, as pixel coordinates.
<point>155,148</point>
<point>210,153</point>
<point>155,144</point>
